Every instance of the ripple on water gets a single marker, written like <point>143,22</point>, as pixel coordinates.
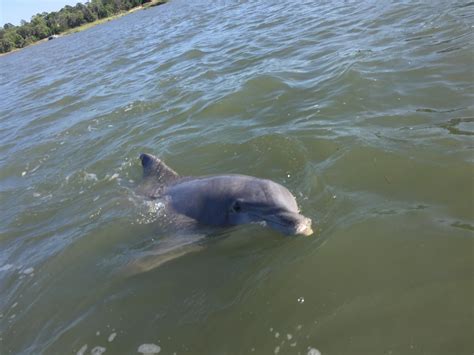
<point>363,109</point>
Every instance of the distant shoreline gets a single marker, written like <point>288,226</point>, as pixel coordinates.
<point>86,26</point>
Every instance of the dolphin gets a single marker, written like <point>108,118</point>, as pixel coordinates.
<point>222,200</point>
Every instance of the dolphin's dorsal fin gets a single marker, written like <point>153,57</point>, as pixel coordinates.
<point>156,174</point>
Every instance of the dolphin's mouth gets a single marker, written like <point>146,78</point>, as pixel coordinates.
<point>300,227</point>
<point>304,229</point>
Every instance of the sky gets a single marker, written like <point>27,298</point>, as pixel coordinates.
<point>13,11</point>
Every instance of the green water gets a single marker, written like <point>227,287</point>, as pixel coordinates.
<point>364,110</point>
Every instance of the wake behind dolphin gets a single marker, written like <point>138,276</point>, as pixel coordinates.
<point>222,200</point>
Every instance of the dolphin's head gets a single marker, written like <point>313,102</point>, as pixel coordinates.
<point>282,219</point>
<point>269,203</point>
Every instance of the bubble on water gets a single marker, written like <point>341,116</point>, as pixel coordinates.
<point>98,350</point>
<point>313,351</point>
<point>149,349</point>
<point>28,271</point>
<point>277,335</point>
<point>277,350</point>
<point>271,330</point>
<point>97,333</point>
<point>289,336</point>
<point>300,300</point>
<point>293,344</point>
<point>82,350</point>
<point>112,337</point>
<point>6,267</point>
<point>299,326</point>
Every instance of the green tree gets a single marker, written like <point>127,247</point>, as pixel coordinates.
<point>11,36</point>
<point>40,27</point>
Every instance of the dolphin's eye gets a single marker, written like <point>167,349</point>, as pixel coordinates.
<point>236,207</point>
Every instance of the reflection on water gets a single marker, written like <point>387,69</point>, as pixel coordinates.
<point>363,110</point>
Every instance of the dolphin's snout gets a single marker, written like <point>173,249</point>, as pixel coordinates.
<point>304,228</point>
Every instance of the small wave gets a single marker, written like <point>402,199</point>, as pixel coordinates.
<point>460,126</point>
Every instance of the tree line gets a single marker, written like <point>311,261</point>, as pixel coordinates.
<point>47,24</point>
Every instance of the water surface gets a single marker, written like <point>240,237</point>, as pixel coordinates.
<point>364,110</point>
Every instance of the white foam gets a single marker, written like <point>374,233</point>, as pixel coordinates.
<point>23,173</point>
<point>277,350</point>
<point>35,168</point>
<point>98,350</point>
<point>277,335</point>
<point>28,271</point>
<point>300,300</point>
<point>82,350</point>
<point>289,336</point>
<point>149,349</point>
<point>112,337</point>
<point>154,210</point>
<point>313,351</point>
<point>90,177</point>
<point>6,267</point>
<point>113,177</point>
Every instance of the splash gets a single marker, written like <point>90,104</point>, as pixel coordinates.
<point>112,337</point>
<point>98,350</point>
<point>313,351</point>
<point>149,349</point>
<point>152,211</point>
<point>82,350</point>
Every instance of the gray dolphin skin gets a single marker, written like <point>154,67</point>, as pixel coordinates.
<point>223,200</point>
